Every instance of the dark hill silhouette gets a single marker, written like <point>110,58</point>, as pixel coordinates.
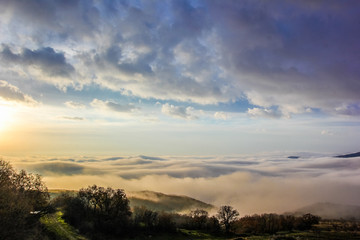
<point>162,202</point>
<point>351,155</point>
<point>331,211</point>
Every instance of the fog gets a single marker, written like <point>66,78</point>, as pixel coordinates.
<point>251,184</point>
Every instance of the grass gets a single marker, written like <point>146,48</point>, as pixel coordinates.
<point>197,235</point>
<point>58,229</point>
<point>182,234</point>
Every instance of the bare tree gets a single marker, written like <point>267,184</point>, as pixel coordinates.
<point>226,216</point>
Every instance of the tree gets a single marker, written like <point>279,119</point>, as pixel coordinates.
<point>199,218</point>
<point>21,195</point>
<point>226,216</point>
<point>99,209</point>
<point>306,221</point>
<point>145,217</point>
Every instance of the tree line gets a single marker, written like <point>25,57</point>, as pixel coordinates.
<point>101,213</point>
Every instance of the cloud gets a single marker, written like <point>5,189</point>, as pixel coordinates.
<point>207,53</point>
<point>151,158</point>
<point>350,110</point>
<point>12,93</point>
<point>178,111</point>
<point>113,158</point>
<point>240,181</point>
<point>263,113</point>
<point>126,108</point>
<point>348,164</point>
<point>63,168</point>
<point>73,118</point>
<point>50,62</point>
<point>74,105</point>
<point>327,132</point>
<point>221,116</point>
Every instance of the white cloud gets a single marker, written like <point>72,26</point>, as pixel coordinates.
<point>221,116</point>
<point>327,132</point>
<point>112,106</point>
<point>178,112</point>
<point>12,93</point>
<point>263,113</point>
<point>74,105</point>
<point>240,181</point>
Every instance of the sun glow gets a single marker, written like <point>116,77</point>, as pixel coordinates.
<point>6,116</point>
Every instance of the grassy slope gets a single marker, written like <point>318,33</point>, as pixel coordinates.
<point>58,229</point>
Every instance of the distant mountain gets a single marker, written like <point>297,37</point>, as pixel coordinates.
<point>162,202</point>
<point>331,211</point>
<point>351,155</point>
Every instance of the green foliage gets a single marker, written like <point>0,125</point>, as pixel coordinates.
<point>23,197</point>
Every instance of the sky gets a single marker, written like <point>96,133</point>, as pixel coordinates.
<point>179,79</point>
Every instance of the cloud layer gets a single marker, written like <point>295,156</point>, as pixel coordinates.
<point>253,184</point>
<point>289,55</point>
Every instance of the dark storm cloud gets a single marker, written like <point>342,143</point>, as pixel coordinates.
<point>292,56</point>
<point>50,62</point>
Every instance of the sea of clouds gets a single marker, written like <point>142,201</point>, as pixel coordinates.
<point>252,184</point>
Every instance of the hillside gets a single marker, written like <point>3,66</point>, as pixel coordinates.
<point>155,201</point>
<point>331,211</point>
<point>162,202</point>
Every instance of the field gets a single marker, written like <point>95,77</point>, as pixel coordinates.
<point>57,228</point>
